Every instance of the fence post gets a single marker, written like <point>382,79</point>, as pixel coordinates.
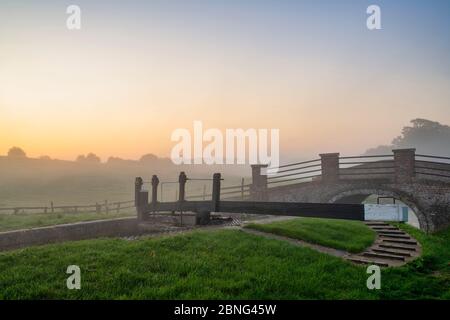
<point>106,207</point>
<point>53,209</point>
<point>215,206</point>
<point>258,189</point>
<point>404,164</point>
<point>204,192</point>
<point>242,189</point>
<point>330,167</point>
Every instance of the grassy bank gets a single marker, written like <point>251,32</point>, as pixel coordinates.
<point>352,236</point>
<point>223,264</point>
<point>204,265</point>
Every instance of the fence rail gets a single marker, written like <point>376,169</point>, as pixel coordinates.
<point>239,191</point>
<point>106,207</point>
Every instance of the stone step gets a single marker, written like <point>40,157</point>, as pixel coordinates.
<point>402,241</point>
<point>395,236</point>
<point>394,232</point>
<point>375,223</point>
<point>393,252</point>
<point>361,260</point>
<point>383,256</point>
<point>397,246</point>
<point>381,228</point>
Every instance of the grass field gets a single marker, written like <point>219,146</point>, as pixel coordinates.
<point>24,221</point>
<point>352,236</point>
<point>223,264</point>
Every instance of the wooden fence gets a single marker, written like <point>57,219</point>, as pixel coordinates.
<point>105,207</point>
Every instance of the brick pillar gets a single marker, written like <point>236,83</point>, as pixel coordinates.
<point>258,189</point>
<point>330,167</point>
<point>404,164</point>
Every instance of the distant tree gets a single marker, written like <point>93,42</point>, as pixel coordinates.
<point>429,137</point>
<point>89,158</point>
<point>92,158</point>
<point>148,158</point>
<point>45,158</point>
<point>16,152</point>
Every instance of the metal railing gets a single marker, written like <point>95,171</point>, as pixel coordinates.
<point>366,166</point>
<point>294,173</point>
<point>434,166</point>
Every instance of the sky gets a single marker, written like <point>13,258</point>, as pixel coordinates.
<point>138,70</point>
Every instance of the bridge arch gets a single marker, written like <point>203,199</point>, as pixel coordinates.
<point>358,195</point>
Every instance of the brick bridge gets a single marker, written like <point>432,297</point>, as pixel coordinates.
<point>420,181</point>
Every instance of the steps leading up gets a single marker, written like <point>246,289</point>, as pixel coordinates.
<point>393,247</point>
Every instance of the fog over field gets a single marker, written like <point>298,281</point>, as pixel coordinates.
<point>37,181</point>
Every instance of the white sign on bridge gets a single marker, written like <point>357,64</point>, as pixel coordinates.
<point>385,212</point>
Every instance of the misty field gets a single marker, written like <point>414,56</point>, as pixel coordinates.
<point>34,220</point>
<point>223,264</point>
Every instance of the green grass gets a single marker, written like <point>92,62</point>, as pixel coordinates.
<point>428,276</point>
<point>223,264</point>
<point>352,236</point>
<point>23,221</point>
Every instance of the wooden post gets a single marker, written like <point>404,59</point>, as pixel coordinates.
<point>106,207</point>
<point>204,192</point>
<point>242,189</point>
<point>155,182</point>
<point>182,188</point>
<point>53,209</point>
<point>215,205</point>
<point>98,208</point>
<point>137,189</point>
<point>137,194</point>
